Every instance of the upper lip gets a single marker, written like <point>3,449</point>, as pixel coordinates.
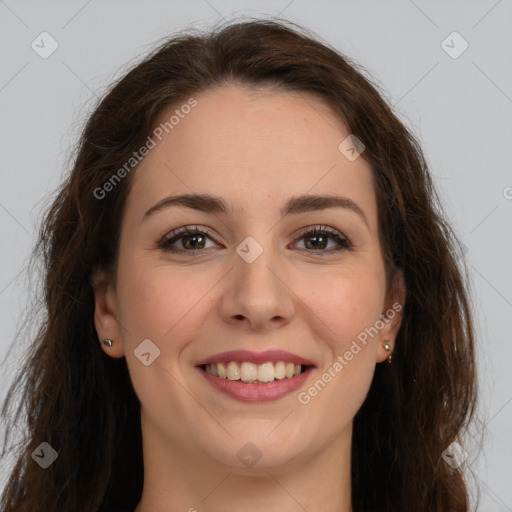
<point>255,357</point>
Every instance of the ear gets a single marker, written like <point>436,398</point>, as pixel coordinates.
<point>105,314</point>
<point>393,315</point>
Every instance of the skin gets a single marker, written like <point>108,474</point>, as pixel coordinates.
<point>256,148</point>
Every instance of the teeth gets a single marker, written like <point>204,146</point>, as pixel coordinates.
<point>233,371</point>
<point>221,369</point>
<point>266,372</point>
<point>254,373</point>
<point>248,372</point>
<point>279,370</point>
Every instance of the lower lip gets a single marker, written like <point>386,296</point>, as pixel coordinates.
<point>257,392</point>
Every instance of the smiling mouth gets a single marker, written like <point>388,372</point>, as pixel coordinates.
<point>251,373</point>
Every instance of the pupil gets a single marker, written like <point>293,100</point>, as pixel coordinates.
<point>188,237</point>
<point>318,237</point>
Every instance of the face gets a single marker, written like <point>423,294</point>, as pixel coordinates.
<point>251,279</point>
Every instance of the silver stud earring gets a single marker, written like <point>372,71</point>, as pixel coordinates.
<point>107,342</point>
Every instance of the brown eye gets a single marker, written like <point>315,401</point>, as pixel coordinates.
<point>317,240</point>
<point>192,239</point>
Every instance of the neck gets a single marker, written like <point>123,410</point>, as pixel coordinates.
<point>177,480</point>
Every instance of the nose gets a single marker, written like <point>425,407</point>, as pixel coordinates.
<point>257,295</point>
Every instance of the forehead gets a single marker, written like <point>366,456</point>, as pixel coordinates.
<point>251,145</point>
<point>264,126</point>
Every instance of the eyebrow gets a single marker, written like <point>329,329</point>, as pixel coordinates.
<point>301,204</point>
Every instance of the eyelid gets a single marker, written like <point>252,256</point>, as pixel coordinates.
<point>319,228</point>
<point>184,230</point>
<point>344,243</point>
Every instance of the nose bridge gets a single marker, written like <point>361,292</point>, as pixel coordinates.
<point>258,290</point>
<point>257,260</point>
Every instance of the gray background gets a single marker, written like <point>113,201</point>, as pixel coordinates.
<point>460,108</point>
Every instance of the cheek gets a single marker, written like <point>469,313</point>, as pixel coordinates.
<point>339,389</point>
<point>158,304</point>
<point>348,308</point>
<point>161,303</point>
<point>346,304</point>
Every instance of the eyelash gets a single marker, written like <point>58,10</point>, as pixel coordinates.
<point>173,236</point>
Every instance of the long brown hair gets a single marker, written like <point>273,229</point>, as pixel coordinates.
<point>82,403</point>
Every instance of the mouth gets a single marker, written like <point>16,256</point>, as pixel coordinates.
<point>251,373</point>
<point>251,377</point>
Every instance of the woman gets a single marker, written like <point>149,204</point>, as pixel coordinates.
<point>204,347</point>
